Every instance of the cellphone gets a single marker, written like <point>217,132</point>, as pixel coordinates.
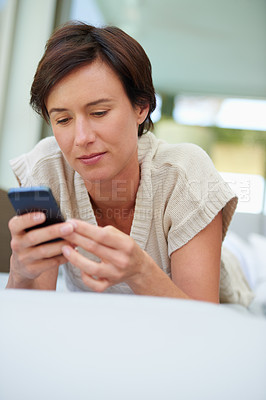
<point>36,198</point>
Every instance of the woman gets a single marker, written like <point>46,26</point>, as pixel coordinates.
<point>143,216</point>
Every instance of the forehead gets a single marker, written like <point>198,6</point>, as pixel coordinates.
<point>88,79</point>
<point>96,73</point>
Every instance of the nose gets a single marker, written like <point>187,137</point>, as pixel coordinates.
<point>83,133</point>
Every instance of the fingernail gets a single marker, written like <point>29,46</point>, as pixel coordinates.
<point>66,250</point>
<point>38,217</point>
<point>66,228</point>
<point>73,223</point>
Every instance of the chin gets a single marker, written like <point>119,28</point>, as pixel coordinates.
<point>97,178</point>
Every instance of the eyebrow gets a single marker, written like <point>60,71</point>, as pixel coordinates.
<point>92,103</point>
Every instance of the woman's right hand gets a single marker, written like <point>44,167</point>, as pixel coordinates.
<point>31,257</point>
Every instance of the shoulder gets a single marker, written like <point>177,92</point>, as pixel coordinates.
<point>177,154</point>
<point>43,151</point>
<point>181,155</point>
<point>43,160</point>
<point>182,158</point>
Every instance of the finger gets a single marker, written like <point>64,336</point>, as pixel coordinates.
<point>19,223</point>
<point>37,268</point>
<point>111,255</point>
<point>41,252</point>
<point>97,285</point>
<point>102,270</point>
<point>108,235</point>
<point>45,234</point>
<point>83,263</point>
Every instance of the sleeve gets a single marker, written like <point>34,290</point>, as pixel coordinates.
<point>199,194</point>
<point>32,168</point>
<point>21,170</point>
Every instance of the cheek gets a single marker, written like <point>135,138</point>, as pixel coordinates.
<point>126,124</point>
<point>123,134</point>
<point>63,141</point>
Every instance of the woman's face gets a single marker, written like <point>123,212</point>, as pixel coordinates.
<point>95,124</point>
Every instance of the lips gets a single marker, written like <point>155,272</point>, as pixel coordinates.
<point>85,157</point>
<point>91,158</point>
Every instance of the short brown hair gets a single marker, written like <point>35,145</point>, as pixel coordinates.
<point>75,44</point>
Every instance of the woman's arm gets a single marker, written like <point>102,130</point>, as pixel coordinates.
<point>45,281</point>
<point>195,267</point>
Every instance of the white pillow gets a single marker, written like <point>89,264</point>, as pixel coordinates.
<point>243,251</point>
<point>258,244</point>
<point>3,280</point>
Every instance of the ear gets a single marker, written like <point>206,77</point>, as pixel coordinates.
<point>142,112</point>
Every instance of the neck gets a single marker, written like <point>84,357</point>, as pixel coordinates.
<point>116,195</point>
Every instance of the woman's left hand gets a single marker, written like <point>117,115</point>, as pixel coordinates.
<point>122,260</point>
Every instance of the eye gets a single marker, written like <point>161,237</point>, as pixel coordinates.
<point>99,113</point>
<point>62,121</point>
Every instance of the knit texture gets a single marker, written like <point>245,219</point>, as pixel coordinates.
<point>180,193</point>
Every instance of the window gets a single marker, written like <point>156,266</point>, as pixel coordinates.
<point>233,132</point>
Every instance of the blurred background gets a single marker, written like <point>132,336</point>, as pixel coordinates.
<point>209,71</point>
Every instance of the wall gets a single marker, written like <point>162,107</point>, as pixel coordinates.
<point>20,127</point>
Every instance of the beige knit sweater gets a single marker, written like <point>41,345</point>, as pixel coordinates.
<point>180,193</point>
